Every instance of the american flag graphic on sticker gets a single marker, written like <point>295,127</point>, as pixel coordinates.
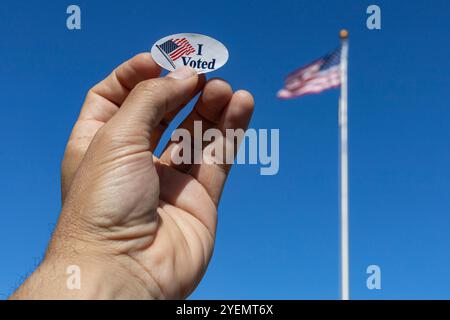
<point>175,48</point>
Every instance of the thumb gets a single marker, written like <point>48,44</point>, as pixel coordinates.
<point>150,100</point>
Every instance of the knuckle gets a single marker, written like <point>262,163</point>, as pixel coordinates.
<point>155,92</point>
<point>113,138</point>
<point>150,87</point>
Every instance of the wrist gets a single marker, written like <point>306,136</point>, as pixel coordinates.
<point>84,276</point>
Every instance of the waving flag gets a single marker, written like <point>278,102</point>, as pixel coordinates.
<point>316,77</point>
<point>175,48</point>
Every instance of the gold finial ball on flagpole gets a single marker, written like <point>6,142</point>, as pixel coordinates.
<point>343,34</point>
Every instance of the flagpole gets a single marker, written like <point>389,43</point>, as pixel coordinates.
<point>343,147</point>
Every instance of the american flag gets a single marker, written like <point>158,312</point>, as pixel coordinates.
<point>175,48</point>
<point>320,75</point>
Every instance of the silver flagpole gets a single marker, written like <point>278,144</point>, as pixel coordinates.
<point>343,147</point>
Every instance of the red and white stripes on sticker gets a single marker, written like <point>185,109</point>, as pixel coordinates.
<point>184,48</point>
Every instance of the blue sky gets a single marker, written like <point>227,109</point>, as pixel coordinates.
<point>277,235</point>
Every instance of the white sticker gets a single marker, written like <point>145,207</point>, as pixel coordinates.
<point>202,53</point>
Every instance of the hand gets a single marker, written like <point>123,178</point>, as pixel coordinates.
<point>138,226</point>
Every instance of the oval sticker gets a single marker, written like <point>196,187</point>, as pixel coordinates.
<point>202,53</point>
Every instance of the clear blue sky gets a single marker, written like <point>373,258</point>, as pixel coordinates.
<point>277,235</point>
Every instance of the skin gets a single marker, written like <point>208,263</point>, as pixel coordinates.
<point>138,226</point>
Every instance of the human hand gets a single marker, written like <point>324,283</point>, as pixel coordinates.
<point>137,225</point>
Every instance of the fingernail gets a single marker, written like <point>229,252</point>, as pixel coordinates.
<point>182,73</point>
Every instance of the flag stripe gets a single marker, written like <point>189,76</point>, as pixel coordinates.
<point>294,85</point>
<point>184,47</point>
<point>319,75</point>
